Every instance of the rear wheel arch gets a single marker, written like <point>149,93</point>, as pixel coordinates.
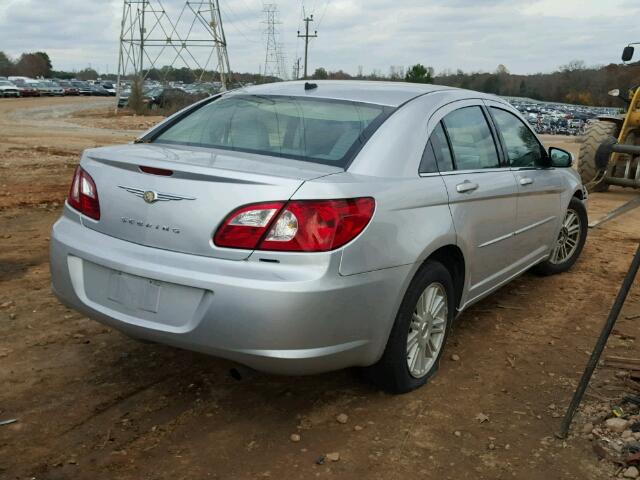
<point>452,258</point>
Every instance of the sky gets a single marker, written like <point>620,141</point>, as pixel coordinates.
<point>473,35</point>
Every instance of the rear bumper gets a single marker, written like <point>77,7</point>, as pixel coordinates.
<point>291,319</point>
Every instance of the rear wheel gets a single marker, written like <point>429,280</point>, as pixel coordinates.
<point>570,241</point>
<point>596,133</point>
<point>418,336</point>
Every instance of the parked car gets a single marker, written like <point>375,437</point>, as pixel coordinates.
<point>83,87</point>
<point>43,88</point>
<point>53,88</point>
<point>26,89</point>
<point>68,88</point>
<point>8,89</point>
<point>123,100</point>
<point>109,88</point>
<point>97,90</point>
<point>300,228</point>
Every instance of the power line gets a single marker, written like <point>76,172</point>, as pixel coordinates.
<point>326,4</point>
<point>235,27</point>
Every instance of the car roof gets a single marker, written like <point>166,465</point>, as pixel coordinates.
<point>391,94</point>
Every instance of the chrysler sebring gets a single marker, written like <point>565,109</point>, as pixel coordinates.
<point>305,227</point>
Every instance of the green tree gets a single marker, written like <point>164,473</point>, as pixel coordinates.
<point>419,74</point>
<point>491,84</point>
<point>522,91</point>
<point>6,65</point>
<point>32,65</point>
<point>339,75</point>
<point>87,74</point>
<point>320,74</point>
<point>47,60</point>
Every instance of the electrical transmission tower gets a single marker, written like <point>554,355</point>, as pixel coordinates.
<point>154,37</point>
<point>274,61</point>
<point>296,69</point>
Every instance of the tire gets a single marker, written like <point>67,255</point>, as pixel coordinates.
<point>596,133</point>
<point>393,372</point>
<point>551,267</point>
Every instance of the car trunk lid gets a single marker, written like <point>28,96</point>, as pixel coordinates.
<point>182,211</point>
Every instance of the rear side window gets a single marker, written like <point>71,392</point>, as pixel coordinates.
<point>428,163</point>
<point>471,139</point>
<point>441,149</point>
<point>523,148</point>
<point>315,130</point>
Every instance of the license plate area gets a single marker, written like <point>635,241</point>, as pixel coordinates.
<point>166,305</point>
<point>134,292</point>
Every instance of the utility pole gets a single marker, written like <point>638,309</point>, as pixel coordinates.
<point>306,37</point>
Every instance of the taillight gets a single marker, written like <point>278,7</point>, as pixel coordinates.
<point>298,226</point>
<point>83,194</point>
<point>245,226</point>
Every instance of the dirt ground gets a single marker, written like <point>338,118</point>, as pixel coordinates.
<point>94,404</point>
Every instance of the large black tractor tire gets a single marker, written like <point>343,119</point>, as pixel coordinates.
<point>596,133</point>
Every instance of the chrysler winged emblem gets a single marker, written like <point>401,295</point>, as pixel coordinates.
<point>151,196</point>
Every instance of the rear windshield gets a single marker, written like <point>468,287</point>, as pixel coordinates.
<point>313,130</point>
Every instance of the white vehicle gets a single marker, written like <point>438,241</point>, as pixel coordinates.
<point>23,79</point>
<point>8,89</point>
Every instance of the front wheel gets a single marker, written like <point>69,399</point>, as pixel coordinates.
<point>571,238</point>
<point>418,336</point>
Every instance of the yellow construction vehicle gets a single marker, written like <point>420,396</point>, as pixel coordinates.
<point>610,152</point>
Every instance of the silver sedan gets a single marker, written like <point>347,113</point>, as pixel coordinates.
<point>305,227</point>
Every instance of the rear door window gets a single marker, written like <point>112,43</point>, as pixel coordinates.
<point>472,143</point>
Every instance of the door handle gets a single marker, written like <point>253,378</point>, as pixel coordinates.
<point>526,181</point>
<point>466,187</point>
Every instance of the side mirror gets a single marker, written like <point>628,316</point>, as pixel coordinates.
<point>560,158</point>
<point>627,53</point>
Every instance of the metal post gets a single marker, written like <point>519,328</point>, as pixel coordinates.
<point>600,344</point>
<point>120,58</point>
<point>141,60</point>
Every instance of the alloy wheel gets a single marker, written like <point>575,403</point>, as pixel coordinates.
<point>568,238</point>
<point>427,330</point>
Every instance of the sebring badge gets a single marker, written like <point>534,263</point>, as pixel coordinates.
<point>154,226</point>
<point>151,196</point>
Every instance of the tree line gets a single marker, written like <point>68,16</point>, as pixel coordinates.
<point>38,65</point>
<point>571,83</point>
<point>574,82</point>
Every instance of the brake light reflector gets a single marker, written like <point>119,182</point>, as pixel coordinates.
<point>297,226</point>
<point>83,194</point>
